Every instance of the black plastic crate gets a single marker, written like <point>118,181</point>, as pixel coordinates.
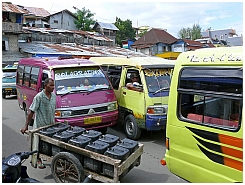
<point>98,147</point>
<point>76,130</point>
<point>61,127</point>
<point>92,134</point>
<point>131,145</point>
<point>82,142</point>
<point>44,147</point>
<point>115,152</point>
<point>61,136</point>
<point>110,139</point>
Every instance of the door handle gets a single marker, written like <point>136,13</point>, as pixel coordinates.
<point>124,93</point>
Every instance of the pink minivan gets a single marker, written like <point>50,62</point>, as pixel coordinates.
<point>85,96</point>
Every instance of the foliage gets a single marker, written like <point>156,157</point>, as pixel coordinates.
<point>125,32</point>
<point>84,19</point>
<point>191,33</point>
<point>143,32</point>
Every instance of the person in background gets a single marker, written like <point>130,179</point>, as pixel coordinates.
<point>135,83</point>
<point>43,105</point>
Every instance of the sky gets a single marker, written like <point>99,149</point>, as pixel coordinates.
<point>172,16</point>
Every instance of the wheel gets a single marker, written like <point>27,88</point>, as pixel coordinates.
<point>131,128</point>
<point>66,168</point>
<point>4,95</point>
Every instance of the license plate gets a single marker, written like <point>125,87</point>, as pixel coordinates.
<point>92,120</point>
<point>8,89</point>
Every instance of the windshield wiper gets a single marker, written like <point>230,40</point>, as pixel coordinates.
<point>74,91</point>
<point>164,88</point>
<point>101,88</point>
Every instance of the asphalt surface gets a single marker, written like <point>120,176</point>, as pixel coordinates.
<point>149,171</point>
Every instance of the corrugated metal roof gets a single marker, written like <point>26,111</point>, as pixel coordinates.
<point>108,26</point>
<point>40,12</point>
<point>9,7</point>
<point>77,50</point>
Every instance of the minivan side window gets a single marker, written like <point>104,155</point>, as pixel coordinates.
<point>212,98</point>
<point>20,71</point>
<point>27,71</point>
<point>34,77</point>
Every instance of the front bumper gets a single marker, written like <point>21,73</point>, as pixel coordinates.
<point>9,91</point>
<point>155,122</point>
<point>108,119</point>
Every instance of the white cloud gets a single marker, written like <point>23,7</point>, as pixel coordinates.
<point>167,15</point>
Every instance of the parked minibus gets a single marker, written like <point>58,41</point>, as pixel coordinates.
<point>9,80</point>
<point>84,94</point>
<point>204,135</point>
<point>145,108</point>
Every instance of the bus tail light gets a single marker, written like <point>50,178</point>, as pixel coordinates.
<point>167,143</point>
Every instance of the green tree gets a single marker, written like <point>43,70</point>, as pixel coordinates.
<point>143,32</point>
<point>84,19</point>
<point>125,31</point>
<point>191,33</point>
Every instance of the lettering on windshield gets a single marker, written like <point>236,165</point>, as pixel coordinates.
<point>77,74</point>
<point>158,72</point>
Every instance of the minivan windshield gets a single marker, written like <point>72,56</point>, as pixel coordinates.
<point>157,79</point>
<point>80,79</point>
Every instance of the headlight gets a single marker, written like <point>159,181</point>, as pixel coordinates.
<point>64,113</point>
<point>112,106</point>
<point>157,110</point>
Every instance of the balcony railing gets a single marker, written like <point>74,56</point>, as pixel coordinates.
<point>9,27</point>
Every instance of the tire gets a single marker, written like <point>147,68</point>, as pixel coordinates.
<point>66,168</point>
<point>4,95</point>
<point>131,128</point>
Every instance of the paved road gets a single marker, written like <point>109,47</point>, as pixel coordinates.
<point>149,171</point>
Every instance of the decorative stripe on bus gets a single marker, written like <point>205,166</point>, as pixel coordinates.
<point>228,140</point>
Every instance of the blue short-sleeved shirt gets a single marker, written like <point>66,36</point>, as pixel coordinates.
<point>44,109</point>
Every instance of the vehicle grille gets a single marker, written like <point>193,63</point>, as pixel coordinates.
<point>85,111</point>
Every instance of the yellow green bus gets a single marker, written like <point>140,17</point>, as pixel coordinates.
<point>204,134</point>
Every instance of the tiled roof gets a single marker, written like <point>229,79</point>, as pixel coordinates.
<point>192,42</point>
<point>39,12</point>
<point>155,36</point>
<point>9,7</point>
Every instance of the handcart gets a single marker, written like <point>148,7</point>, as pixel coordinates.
<point>67,166</point>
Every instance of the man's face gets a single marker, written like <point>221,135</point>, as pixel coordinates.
<point>135,79</point>
<point>50,86</point>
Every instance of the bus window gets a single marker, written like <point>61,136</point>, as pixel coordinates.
<point>212,111</point>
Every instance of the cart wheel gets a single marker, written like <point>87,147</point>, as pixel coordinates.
<point>66,168</point>
<point>131,128</point>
